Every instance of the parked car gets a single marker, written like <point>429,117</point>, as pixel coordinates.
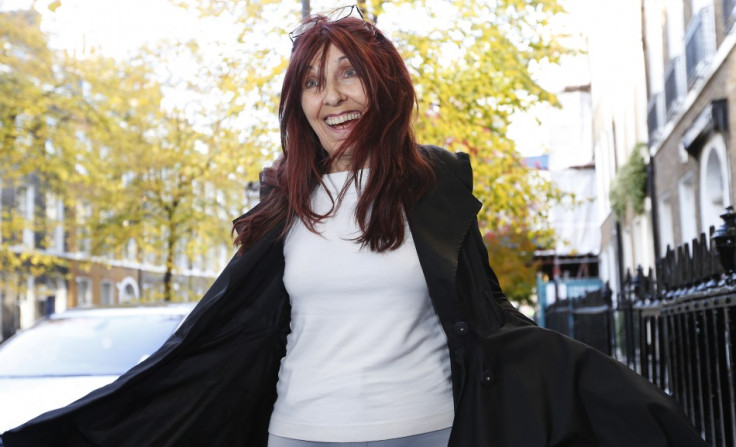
<point>65,356</point>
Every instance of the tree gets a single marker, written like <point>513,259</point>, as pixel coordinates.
<point>472,76</point>
<point>470,62</point>
<point>37,123</point>
<point>169,182</point>
<point>129,169</point>
<point>512,257</point>
<point>629,186</point>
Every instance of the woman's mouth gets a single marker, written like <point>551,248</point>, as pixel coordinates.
<point>342,121</point>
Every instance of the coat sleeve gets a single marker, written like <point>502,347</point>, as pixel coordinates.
<point>220,365</point>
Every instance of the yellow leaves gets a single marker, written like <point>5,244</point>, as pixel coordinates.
<point>33,262</point>
<point>467,95</point>
<point>54,5</point>
<point>512,255</point>
<point>143,160</point>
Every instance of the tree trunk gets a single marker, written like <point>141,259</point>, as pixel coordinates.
<point>168,276</point>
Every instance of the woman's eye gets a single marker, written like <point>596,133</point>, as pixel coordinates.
<point>350,72</point>
<point>311,83</point>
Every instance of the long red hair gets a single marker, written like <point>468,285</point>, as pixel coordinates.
<point>383,138</point>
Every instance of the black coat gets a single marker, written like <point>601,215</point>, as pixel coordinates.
<point>213,383</point>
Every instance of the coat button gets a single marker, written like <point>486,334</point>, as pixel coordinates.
<point>461,328</point>
<point>487,378</point>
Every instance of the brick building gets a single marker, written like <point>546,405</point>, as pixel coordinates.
<point>690,56</point>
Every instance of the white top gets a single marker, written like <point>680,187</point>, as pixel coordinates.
<point>366,358</point>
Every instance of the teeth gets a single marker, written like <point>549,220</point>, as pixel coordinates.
<point>335,120</point>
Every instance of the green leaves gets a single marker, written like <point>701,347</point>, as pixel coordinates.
<point>629,186</point>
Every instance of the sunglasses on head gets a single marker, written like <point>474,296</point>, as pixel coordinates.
<point>334,16</point>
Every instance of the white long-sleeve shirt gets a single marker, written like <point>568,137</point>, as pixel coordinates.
<point>366,357</point>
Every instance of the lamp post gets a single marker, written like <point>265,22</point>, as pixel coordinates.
<point>724,241</point>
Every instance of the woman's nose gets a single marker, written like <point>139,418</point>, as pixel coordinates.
<point>333,94</point>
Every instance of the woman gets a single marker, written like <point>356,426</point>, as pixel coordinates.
<point>360,308</point>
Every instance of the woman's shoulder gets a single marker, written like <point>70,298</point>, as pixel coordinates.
<point>444,161</point>
<point>442,155</point>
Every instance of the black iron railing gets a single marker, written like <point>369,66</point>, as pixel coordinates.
<point>678,330</point>
<point>587,319</point>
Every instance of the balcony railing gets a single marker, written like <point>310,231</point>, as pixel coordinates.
<point>699,44</point>
<point>674,86</point>
<point>655,117</point>
<point>729,14</point>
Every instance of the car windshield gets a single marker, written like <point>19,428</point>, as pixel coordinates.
<point>99,345</point>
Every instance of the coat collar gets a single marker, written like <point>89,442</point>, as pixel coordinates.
<point>440,221</point>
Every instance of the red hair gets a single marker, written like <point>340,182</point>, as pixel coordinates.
<point>383,140</point>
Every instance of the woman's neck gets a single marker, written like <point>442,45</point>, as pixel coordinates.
<point>345,163</point>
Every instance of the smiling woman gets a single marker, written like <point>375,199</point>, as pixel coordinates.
<point>347,72</point>
<point>360,309</point>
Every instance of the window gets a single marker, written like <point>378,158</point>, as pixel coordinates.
<point>84,212</point>
<point>675,23</point>
<point>107,295</point>
<point>24,200</point>
<point>714,181</point>
<point>666,233</point>
<point>128,288</point>
<point>54,218</point>
<point>675,84</point>
<point>84,292</point>
<point>131,250</point>
<point>699,41</point>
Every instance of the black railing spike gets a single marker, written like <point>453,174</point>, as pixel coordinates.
<point>669,268</point>
<point>714,269</point>
<point>707,268</point>
<point>689,274</point>
<point>702,258</point>
<point>682,257</point>
<point>651,290</point>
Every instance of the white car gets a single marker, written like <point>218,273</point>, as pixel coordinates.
<point>65,356</point>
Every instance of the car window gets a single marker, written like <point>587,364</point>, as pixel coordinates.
<point>85,346</point>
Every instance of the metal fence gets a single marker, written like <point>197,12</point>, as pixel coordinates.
<point>677,329</point>
<point>587,318</point>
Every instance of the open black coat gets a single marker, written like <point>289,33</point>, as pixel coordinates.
<point>213,383</point>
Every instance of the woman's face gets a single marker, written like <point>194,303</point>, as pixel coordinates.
<point>334,106</point>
